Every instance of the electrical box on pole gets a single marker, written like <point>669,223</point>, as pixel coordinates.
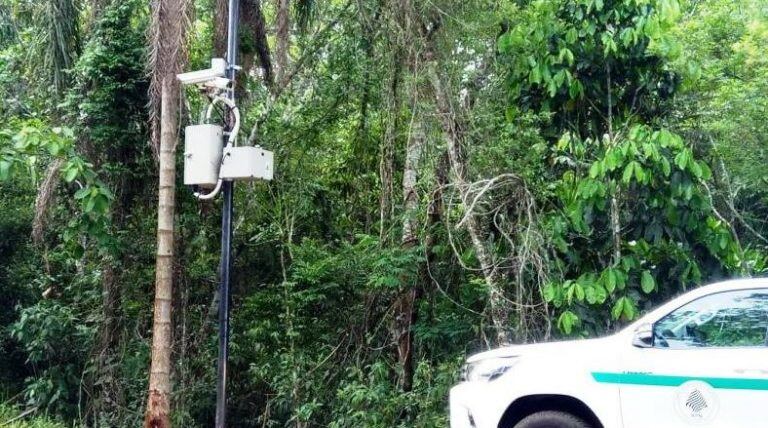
<point>209,160</point>
<point>203,145</point>
<point>246,163</point>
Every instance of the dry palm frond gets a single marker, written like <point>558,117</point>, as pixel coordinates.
<point>305,11</point>
<point>62,42</point>
<point>44,198</point>
<point>8,30</point>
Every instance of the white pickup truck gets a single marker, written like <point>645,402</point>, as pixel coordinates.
<point>700,360</point>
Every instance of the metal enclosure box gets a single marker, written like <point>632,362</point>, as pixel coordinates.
<point>247,163</point>
<point>202,154</point>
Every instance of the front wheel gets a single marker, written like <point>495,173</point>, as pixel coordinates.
<point>552,419</point>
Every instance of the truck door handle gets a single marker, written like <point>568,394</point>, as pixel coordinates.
<point>761,372</point>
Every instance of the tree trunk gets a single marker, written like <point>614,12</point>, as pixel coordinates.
<point>405,314</point>
<point>253,21</point>
<point>616,225</point>
<point>453,133</point>
<point>387,152</point>
<point>220,19</point>
<point>434,216</point>
<point>283,41</point>
<point>107,394</point>
<point>615,205</point>
<point>158,406</point>
<point>407,299</point>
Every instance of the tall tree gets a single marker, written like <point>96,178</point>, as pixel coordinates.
<point>168,55</point>
<point>406,32</point>
<point>453,132</point>
<point>454,129</point>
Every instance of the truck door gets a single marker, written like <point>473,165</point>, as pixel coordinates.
<point>707,366</point>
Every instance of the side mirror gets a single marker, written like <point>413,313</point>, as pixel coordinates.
<point>643,336</point>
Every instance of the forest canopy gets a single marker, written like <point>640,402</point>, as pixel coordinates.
<point>449,177</point>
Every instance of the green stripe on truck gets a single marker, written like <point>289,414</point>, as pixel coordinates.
<point>664,380</point>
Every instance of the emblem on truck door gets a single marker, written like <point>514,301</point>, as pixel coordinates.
<point>696,402</point>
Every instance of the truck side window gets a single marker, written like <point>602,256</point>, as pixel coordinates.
<point>728,319</point>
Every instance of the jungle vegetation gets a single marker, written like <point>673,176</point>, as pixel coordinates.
<point>450,176</point>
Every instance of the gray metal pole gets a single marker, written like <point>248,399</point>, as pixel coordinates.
<point>226,235</point>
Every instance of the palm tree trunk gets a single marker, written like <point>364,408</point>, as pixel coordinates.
<point>170,20</point>
<point>158,406</point>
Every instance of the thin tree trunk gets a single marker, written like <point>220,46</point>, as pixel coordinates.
<point>158,406</point>
<point>615,204</point>
<point>107,394</point>
<point>616,225</point>
<point>283,41</point>
<point>387,152</point>
<point>453,133</point>
<point>405,314</point>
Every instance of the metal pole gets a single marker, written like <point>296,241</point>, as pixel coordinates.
<point>226,235</point>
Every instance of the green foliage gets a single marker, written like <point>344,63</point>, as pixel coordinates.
<point>645,113</point>
<point>723,105</point>
<point>52,335</point>
<point>634,215</point>
<point>311,335</point>
<point>25,145</point>
<point>668,230</point>
<point>8,414</point>
<point>579,57</point>
<point>370,388</point>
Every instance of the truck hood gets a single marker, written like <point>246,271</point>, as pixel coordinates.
<point>567,347</point>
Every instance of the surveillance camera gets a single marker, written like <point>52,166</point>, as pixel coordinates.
<point>218,83</point>
<point>217,70</point>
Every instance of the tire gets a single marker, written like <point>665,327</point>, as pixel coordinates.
<point>552,419</point>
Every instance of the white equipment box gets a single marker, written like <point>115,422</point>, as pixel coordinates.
<point>202,154</point>
<point>247,163</point>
